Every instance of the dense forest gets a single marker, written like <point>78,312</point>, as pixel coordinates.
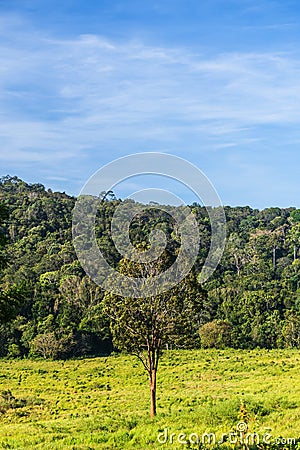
<point>49,307</point>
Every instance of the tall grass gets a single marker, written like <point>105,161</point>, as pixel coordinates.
<point>103,403</point>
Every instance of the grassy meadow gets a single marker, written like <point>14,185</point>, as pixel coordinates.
<point>103,403</point>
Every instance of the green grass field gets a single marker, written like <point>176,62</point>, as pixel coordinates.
<point>103,403</point>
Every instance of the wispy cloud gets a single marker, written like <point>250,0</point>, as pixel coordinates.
<point>97,80</point>
<point>63,98</point>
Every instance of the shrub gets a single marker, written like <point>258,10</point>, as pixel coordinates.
<point>45,345</point>
<point>9,401</point>
<point>14,351</point>
<point>50,346</point>
<point>215,334</point>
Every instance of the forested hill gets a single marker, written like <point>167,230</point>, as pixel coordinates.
<point>49,307</point>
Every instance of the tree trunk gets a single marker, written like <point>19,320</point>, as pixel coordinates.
<point>237,265</point>
<point>274,258</point>
<point>153,393</point>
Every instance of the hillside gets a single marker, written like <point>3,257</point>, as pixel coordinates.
<point>49,307</point>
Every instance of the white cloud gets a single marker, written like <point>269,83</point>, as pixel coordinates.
<point>64,97</point>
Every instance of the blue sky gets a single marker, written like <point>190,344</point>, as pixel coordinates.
<point>213,81</point>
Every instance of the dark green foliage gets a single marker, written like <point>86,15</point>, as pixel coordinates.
<point>48,307</point>
<point>295,215</point>
<point>3,238</point>
<point>45,292</point>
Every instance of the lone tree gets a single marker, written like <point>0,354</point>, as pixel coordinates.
<point>144,326</point>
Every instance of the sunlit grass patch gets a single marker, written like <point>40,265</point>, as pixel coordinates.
<point>103,403</point>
